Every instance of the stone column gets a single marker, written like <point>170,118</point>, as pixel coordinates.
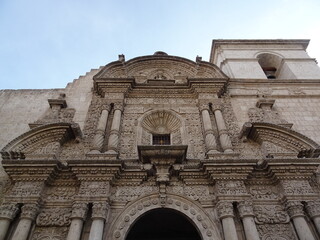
<point>247,216</point>
<point>115,128</point>
<point>79,213</point>
<point>99,215</point>
<point>223,133</point>
<point>295,211</point>
<point>8,211</point>
<point>313,209</point>
<point>210,139</point>
<point>225,213</point>
<point>98,139</point>
<point>29,212</point>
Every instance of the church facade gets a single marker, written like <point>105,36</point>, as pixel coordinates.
<point>163,147</point>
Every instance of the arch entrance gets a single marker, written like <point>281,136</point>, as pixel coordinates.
<point>136,216</point>
<point>163,224</point>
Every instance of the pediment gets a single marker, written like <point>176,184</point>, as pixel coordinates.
<point>42,142</point>
<point>286,139</point>
<point>160,67</point>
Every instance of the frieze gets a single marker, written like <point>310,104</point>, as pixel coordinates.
<point>129,193</point>
<point>263,192</point>
<point>201,193</point>
<point>94,189</point>
<point>54,217</point>
<point>165,100</point>
<point>270,214</point>
<point>231,188</point>
<point>27,189</point>
<point>50,233</point>
<point>297,187</point>
<point>276,232</point>
<point>61,193</point>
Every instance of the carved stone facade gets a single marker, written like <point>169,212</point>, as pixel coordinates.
<point>125,149</point>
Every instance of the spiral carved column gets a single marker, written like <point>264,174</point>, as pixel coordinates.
<point>98,139</point>
<point>115,129</point>
<point>224,138</point>
<point>210,139</point>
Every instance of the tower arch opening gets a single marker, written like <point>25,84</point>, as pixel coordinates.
<point>161,224</point>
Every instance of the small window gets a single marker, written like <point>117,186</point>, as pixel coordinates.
<point>161,139</point>
<point>270,72</point>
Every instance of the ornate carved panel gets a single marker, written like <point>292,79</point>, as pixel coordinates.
<point>276,232</point>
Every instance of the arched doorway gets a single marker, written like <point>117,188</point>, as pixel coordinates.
<point>163,224</point>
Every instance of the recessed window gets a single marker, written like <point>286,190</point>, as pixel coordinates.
<point>161,139</point>
<point>270,72</point>
<point>270,64</point>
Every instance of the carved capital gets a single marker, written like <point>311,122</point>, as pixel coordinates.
<point>100,210</point>
<point>79,210</point>
<point>245,209</point>
<point>216,106</point>
<point>106,106</point>
<point>8,210</point>
<point>313,208</point>
<point>295,209</point>
<point>225,209</point>
<point>29,211</point>
<point>203,106</point>
<point>118,106</point>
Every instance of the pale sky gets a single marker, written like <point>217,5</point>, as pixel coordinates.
<point>48,43</point>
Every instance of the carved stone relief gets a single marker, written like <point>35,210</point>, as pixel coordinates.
<point>26,189</point>
<point>270,214</point>
<point>90,189</point>
<point>51,233</point>
<point>231,188</point>
<point>201,193</point>
<point>296,187</point>
<point>60,193</point>
<point>194,131</point>
<point>54,217</point>
<point>130,193</point>
<point>276,232</point>
<point>263,192</point>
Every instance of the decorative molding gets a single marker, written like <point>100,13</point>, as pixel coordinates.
<point>48,137</point>
<point>194,212</point>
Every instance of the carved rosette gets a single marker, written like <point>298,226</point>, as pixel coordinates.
<point>29,211</point>
<point>79,210</point>
<point>225,209</point>
<point>8,211</point>
<point>295,209</point>
<point>313,208</point>
<point>245,209</point>
<point>100,210</point>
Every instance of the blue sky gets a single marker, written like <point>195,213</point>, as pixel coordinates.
<point>48,43</point>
